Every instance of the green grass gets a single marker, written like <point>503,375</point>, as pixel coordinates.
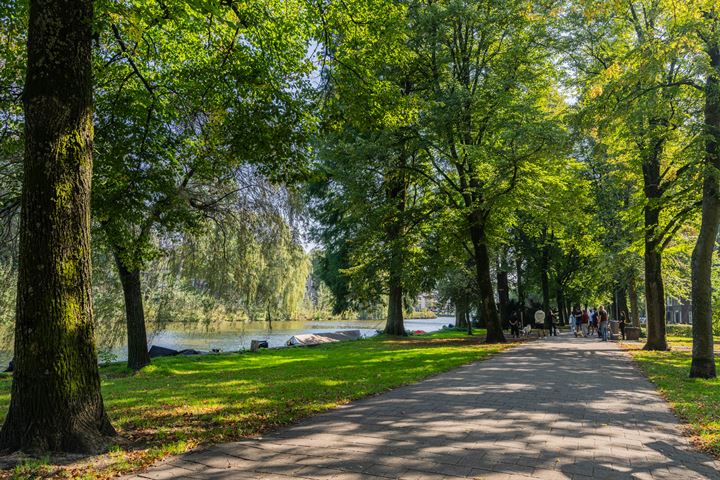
<point>180,402</point>
<point>696,402</point>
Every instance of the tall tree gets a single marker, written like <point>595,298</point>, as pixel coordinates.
<point>637,73</point>
<point>703,355</point>
<point>489,81</point>
<point>371,154</point>
<point>175,126</point>
<point>56,403</point>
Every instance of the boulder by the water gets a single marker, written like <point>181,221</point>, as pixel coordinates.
<point>156,351</point>
<point>256,345</point>
<point>329,337</point>
<point>11,366</point>
<point>189,351</point>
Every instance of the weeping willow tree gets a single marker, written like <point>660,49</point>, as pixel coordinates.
<point>256,269</point>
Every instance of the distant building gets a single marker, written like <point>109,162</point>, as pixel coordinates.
<point>678,310</point>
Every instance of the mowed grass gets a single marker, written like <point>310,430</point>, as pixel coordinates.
<point>181,402</point>
<point>695,401</point>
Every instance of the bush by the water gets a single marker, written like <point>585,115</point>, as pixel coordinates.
<point>421,314</point>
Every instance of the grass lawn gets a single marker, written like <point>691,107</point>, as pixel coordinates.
<point>696,402</point>
<point>180,402</point>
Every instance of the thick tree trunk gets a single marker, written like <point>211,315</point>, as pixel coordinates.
<point>55,404</point>
<point>395,324</point>
<point>634,312</point>
<point>460,313</point>
<point>503,289</point>
<point>396,196</point>
<point>484,282</point>
<point>621,302</point>
<point>138,356</point>
<point>520,289</point>
<point>544,280</point>
<point>561,305</point>
<point>655,298</point>
<point>654,288</point>
<point>703,355</point>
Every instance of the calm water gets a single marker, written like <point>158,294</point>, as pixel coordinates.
<point>229,337</point>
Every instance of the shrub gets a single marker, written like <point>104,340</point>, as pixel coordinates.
<point>679,330</point>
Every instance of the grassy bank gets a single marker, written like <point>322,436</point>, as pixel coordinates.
<point>696,402</point>
<point>180,402</point>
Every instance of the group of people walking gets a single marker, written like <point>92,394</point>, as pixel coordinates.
<point>583,322</point>
<point>589,322</point>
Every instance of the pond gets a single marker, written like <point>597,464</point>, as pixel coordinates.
<point>233,336</point>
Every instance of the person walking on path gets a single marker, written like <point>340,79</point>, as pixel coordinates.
<point>554,321</point>
<point>577,319</point>
<point>540,320</point>
<point>593,322</point>
<point>622,324</point>
<point>585,322</point>
<point>515,325</point>
<point>548,323</point>
<point>603,314</point>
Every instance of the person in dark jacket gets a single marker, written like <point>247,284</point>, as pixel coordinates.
<point>623,320</point>
<point>515,325</point>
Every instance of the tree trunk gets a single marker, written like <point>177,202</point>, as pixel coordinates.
<point>621,301</point>
<point>561,305</point>
<point>396,196</point>
<point>503,289</point>
<point>634,312</point>
<point>655,298</point>
<point>395,324</point>
<point>138,356</point>
<point>654,289</point>
<point>520,289</point>
<point>55,403</point>
<point>460,313</point>
<point>482,269</point>
<point>544,280</point>
<point>703,355</point>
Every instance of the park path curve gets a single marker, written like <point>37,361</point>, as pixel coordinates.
<point>560,408</point>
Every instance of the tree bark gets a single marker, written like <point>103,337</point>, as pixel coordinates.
<point>621,301</point>
<point>520,289</point>
<point>561,305</point>
<point>655,298</point>
<point>484,282</point>
<point>460,313</point>
<point>654,288</point>
<point>634,312</point>
<point>138,356</point>
<point>703,355</point>
<point>396,197</point>
<point>544,280</point>
<point>503,289</point>
<point>55,403</point>
<point>395,324</point>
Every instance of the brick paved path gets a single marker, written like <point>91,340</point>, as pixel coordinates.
<point>538,411</point>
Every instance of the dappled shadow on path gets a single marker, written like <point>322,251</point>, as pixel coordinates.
<point>559,408</point>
